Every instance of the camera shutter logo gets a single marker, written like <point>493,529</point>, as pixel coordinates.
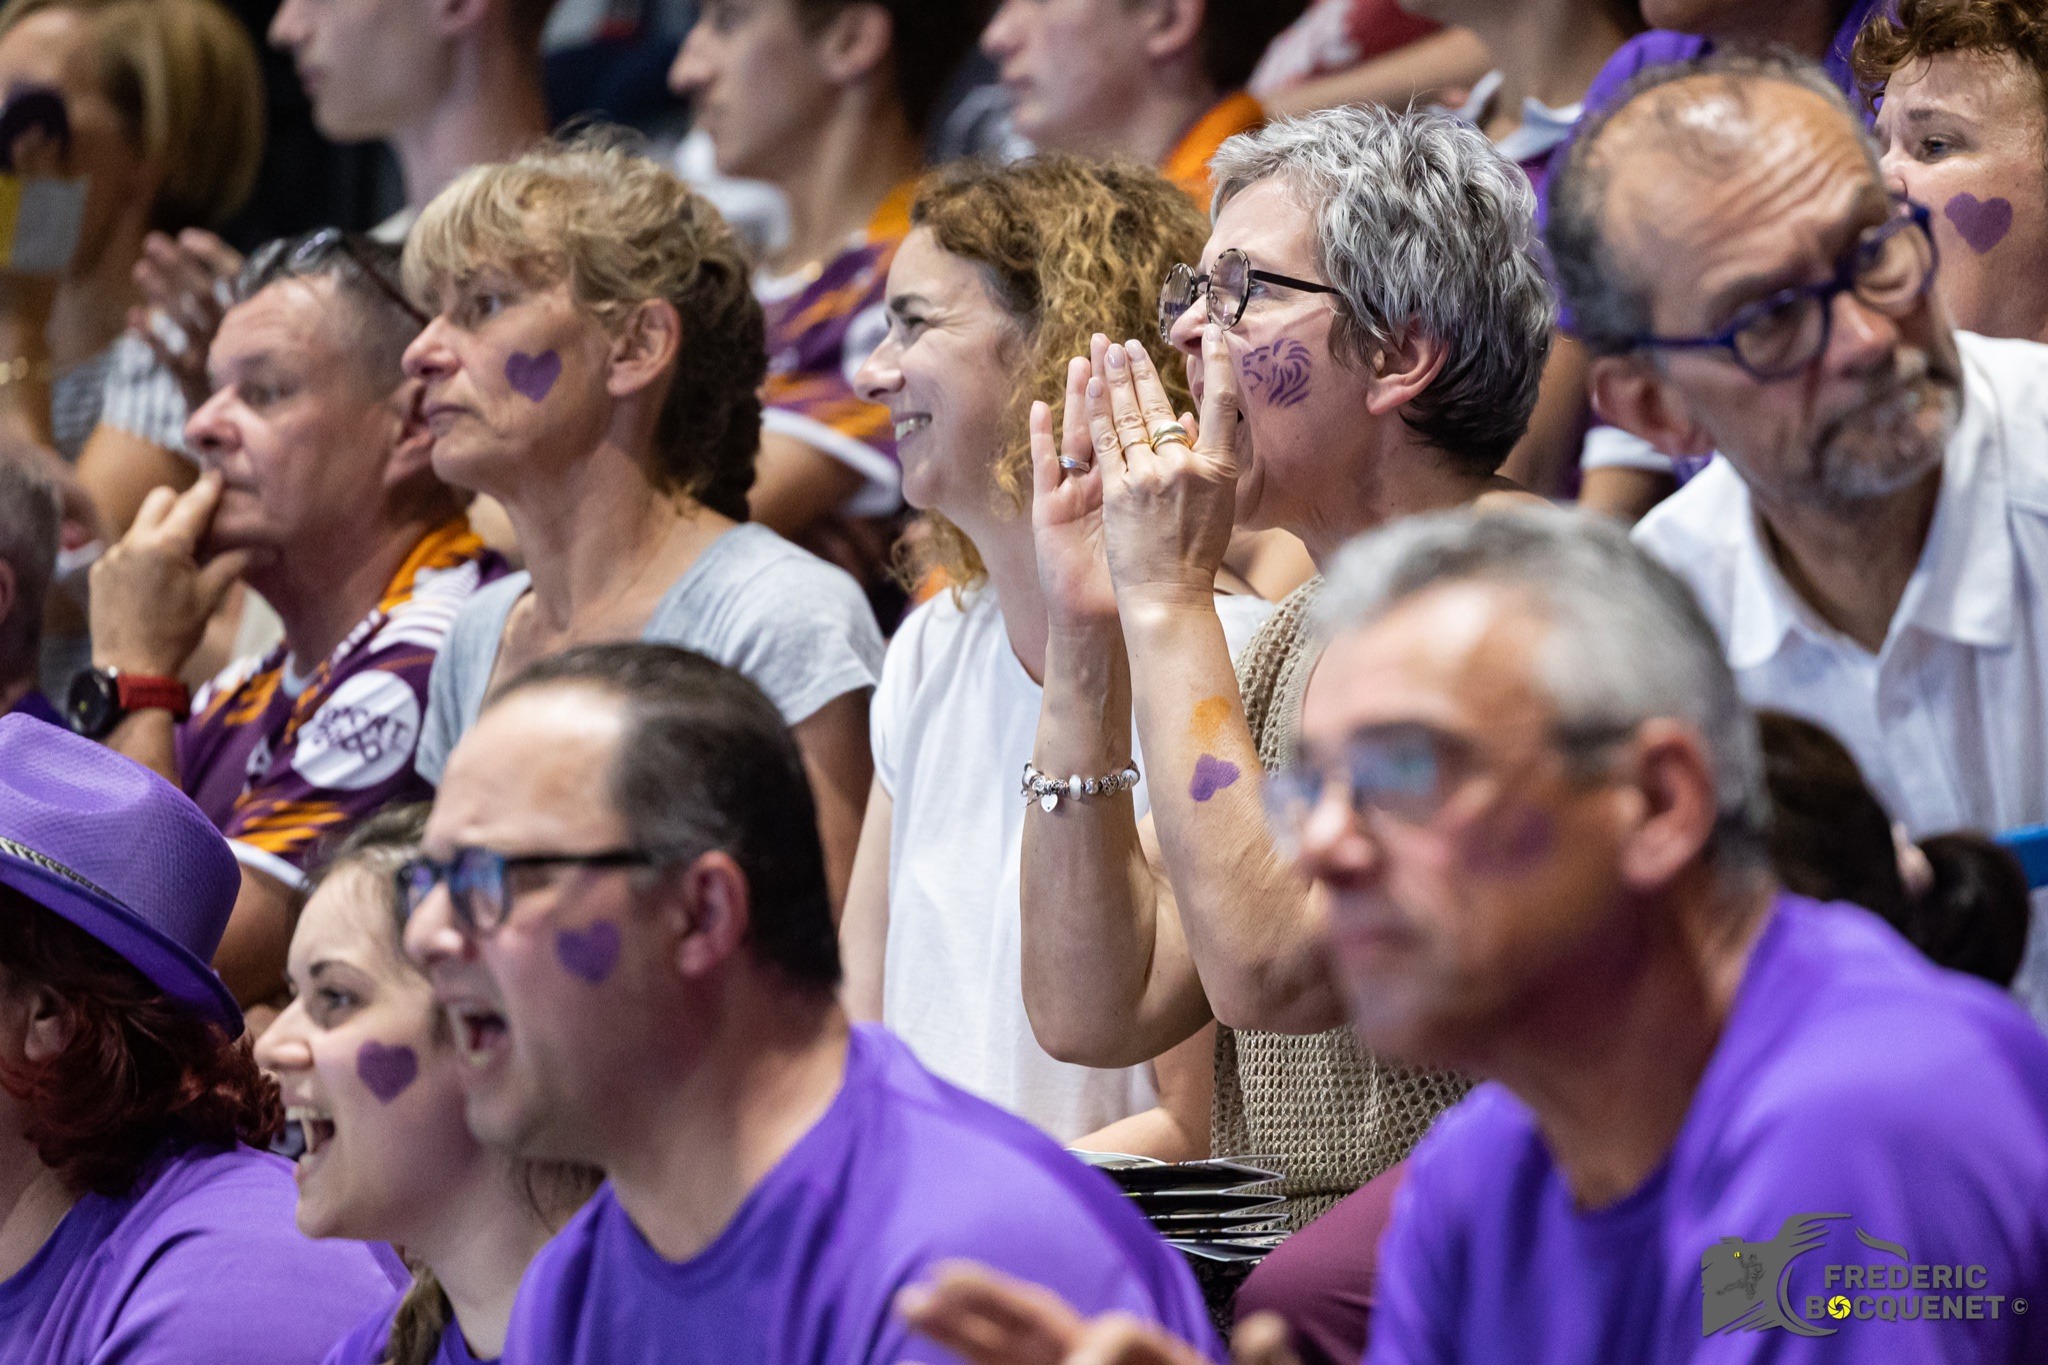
<point>1744,1282</point>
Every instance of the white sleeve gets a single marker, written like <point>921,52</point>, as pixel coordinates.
<point>1612,448</point>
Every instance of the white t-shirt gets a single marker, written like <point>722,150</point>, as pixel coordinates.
<point>953,723</point>
<point>800,630</point>
<point>1949,719</point>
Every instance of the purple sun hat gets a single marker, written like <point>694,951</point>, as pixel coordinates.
<point>122,854</point>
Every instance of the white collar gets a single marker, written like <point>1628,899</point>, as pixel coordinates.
<point>1543,127</point>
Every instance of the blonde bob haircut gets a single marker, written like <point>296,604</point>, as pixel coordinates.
<point>621,230</point>
<point>1069,247</point>
<point>183,76</point>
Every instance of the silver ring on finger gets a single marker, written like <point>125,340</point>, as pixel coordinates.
<point>1073,466</point>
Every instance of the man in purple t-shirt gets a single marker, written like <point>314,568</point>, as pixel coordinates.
<point>1718,1122</point>
<point>622,906</point>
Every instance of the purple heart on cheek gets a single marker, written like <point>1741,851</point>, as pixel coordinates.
<point>1982,223</point>
<point>590,952</point>
<point>386,1071</point>
<point>533,375</point>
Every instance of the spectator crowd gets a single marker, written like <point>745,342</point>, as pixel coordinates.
<point>837,651</point>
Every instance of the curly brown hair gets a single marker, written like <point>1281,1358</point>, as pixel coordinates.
<point>139,1069</point>
<point>1921,29</point>
<point>622,230</point>
<point>1070,247</point>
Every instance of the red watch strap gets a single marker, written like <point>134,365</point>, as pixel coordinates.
<point>145,692</point>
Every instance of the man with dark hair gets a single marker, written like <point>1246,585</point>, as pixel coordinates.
<point>319,492</point>
<point>621,903</point>
<point>829,101</point>
<point>1157,81</point>
<point>28,556</point>
<point>1873,546</point>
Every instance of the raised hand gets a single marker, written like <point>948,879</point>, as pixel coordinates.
<point>184,278</point>
<point>1169,484</point>
<point>1066,510</point>
<point>151,596</point>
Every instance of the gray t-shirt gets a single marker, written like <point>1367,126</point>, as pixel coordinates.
<point>797,627</point>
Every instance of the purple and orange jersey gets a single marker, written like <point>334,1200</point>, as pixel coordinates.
<point>820,330</point>
<point>280,763</point>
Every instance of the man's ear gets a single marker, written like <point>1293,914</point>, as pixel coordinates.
<point>712,908</point>
<point>1173,28</point>
<point>1680,804</point>
<point>1631,392</point>
<point>1401,371</point>
<point>856,43</point>
<point>644,348</point>
<point>412,448</point>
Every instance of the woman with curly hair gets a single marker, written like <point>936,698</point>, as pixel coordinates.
<point>594,368</point>
<point>1961,88</point>
<point>138,1220</point>
<point>1006,272</point>
<point>368,1069</point>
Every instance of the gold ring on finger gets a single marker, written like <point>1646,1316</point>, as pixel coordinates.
<point>1170,431</point>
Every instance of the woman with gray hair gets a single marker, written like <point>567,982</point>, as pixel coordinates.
<point>1364,338</point>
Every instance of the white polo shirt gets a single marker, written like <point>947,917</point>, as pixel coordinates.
<point>1949,719</point>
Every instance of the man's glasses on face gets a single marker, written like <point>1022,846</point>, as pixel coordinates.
<point>1228,285</point>
<point>1888,269</point>
<point>1407,774</point>
<point>477,880</point>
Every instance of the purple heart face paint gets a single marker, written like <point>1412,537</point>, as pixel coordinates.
<point>386,1071</point>
<point>1279,374</point>
<point>590,952</point>
<point>1982,223</point>
<point>533,375</point>
<point>1212,775</point>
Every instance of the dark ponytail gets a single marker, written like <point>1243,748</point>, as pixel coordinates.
<point>1973,917</point>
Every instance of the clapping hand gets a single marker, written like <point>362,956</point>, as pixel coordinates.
<point>185,278</point>
<point>990,1319</point>
<point>1169,485</point>
<point>1066,510</point>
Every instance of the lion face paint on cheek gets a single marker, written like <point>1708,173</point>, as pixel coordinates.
<point>1279,375</point>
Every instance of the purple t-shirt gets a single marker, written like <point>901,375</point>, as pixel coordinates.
<point>1873,1129</point>
<point>902,1172</point>
<point>199,1262</point>
<point>366,1345</point>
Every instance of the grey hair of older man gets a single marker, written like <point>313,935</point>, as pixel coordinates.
<point>1610,306</point>
<point>1420,223</point>
<point>1627,642</point>
<point>28,545</point>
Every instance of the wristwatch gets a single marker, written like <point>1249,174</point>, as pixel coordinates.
<point>100,697</point>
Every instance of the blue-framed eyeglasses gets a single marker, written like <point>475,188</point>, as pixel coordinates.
<point>1778,337</point>
<point>477,880</point>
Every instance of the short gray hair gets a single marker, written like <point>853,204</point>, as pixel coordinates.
<point>28,544</point>
<point>1420,223</point>
<point>1627,643</point>
<point>1609,306</point>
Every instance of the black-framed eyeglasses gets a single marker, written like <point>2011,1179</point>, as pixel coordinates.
<point>477,878</point>
<point>1407,773</point>
<point>310,254</point>
<point>1889,269</point>
<point>1228,285</point>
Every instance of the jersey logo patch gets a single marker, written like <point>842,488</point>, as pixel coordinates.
<point>361,735</point>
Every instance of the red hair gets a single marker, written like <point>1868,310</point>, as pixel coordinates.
<point>139,1068</point>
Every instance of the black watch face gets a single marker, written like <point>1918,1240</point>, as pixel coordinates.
<point>93,706</point>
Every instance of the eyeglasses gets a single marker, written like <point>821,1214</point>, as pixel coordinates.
<point>1228,285</point>
<point>1406,773</point>
<point>308,255</point>
<point>476,879</point>
<point>1776,338</point>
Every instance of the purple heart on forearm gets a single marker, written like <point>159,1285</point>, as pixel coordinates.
<point>386,1070</point>
<point>533,375</point>
<point>590,952</point>
<point>1212,775</point>
<point>1982,223</point>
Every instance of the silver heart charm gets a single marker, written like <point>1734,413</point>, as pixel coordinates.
<point>1048,801</point>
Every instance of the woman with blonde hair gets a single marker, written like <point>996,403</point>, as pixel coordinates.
<point>1006,273</point>
<point>593,367</point>
<point>368,1071</point>
<point>162,119</point>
